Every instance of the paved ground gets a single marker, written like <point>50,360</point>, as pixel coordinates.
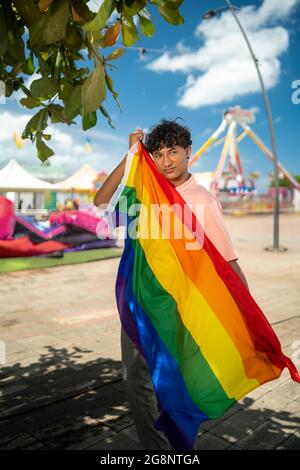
<point>61,386</point>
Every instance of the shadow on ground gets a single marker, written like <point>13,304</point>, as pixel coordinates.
<point>247,426</point>
<point>63,401</point>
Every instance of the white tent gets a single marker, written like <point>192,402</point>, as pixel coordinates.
<point>13,177</point>
<point>82,180</point>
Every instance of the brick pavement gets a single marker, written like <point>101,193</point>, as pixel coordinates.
<point>61,386</point>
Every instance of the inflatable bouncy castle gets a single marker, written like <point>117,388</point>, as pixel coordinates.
<point>64,231</point>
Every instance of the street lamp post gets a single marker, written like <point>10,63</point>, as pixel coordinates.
<point>211,14</point>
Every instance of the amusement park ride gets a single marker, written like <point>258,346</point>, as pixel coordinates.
<point>233,181</point>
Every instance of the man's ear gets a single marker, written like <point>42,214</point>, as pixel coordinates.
<point>188,151</point>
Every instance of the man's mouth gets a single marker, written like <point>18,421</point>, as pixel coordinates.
<point>169,170</point>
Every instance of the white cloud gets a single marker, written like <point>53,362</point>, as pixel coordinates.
<point>181,47</point>
<point>222,69</point>
<point>62,139</point>
<point>10,123</point>
<point>71,161</point>
<point>69,145</point>
<point>276,9</point>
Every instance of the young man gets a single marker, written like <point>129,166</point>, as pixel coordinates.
<point>169,143</point>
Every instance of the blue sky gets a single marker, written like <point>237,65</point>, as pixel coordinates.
<point>197,70</point>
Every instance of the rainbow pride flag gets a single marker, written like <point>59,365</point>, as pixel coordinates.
<point>205,340</point>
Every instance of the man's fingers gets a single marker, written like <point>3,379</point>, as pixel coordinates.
<point>138,133</point>
<point>135,136</point>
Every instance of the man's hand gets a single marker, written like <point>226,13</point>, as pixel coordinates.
<point>234,264</point>
<point>104,194</point>
<point>135,136</point>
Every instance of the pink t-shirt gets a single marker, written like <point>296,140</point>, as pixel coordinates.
<point>214,227</point>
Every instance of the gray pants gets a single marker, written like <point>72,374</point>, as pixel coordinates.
<point>141,396</point>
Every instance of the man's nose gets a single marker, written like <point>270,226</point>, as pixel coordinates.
<point>167,161</point>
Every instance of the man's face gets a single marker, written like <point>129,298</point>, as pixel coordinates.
<point>172,162</point>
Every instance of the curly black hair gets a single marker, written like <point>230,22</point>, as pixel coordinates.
<point>167,134</point>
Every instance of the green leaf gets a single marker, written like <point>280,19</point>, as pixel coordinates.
<point>83,72</point>
<point>58,65</point>
<point>44,68</point>
<point>44,152</point>
<point>169,3</point>
<point>133,7</point>
<point>28,67</point>
<point>16,47</point>
<point>107,116</point>
<point>43,88</point>
<point>89,120</point>
<point>44,4</point>
<point>25,90</point>
<point>73,37</point>
<point>3,32</point>
<point>30,102</point>
<point>171,15</point>
<point>15,44</point>
<point>51,26</point>
<point>129,32</point>
<point>147,27</point>
<point>37,123</point>
<point>73,106</point>
<point>115,54</point>
<point>65,90</point>
<point>128,38</point>
<point>82,10</point>
<point>94,90</point>
<point>9,88</point>
<point>174,3</point>
<point>102,16</point>
<point>27,10</point>
<point>56,113</point>
<point>109,84</point>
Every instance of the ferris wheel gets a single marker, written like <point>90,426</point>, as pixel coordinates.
<point>233,179</point>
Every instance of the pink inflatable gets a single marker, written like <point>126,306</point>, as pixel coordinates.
<point>24,247</point>
<point>83,220</point>
<point>7,219</point>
